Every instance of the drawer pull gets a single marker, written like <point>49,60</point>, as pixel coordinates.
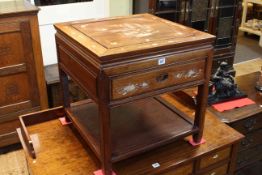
<point>162,77</point>
<point>213,173</point>
<point>215,156</point>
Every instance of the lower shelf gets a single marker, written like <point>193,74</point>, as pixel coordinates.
<point>135,127</point>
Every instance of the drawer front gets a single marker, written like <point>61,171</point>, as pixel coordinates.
<point>14,89</point>
<point>11,44</point>
<point>214,157</point>
<point>222,170</point>
<point>249,124</point>
<point>135,84</point>
<point>183,170</point>
<point>248,156</point>
<point>251,140</point>
<point>19,89</point>
<point>156,61</point>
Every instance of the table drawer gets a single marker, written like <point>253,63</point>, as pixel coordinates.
<point>214,157</point>
<point>139,83</point>
<point>249,124</point>
<point>222,170</point>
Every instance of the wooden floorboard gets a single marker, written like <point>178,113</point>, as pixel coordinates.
<point>247,67</point>
<point>13,163</point>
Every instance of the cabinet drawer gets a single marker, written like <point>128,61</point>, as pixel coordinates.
<point>214,157</point>
<point>138,83</point>
<point>249,124</point>
<point>222,170</point>
<point>249,156</point>
<point>11,44</point>
<point>183,170</point>
<point>251,139</point>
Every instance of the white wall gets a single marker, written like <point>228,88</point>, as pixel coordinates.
<point>120,7</point>
<point>49,15</point>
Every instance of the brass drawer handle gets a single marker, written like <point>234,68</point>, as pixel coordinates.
<point>213,173</point>
<point>215,156</point>
<point>162,77</point>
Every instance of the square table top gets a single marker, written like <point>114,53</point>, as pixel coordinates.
<point>136,33</point>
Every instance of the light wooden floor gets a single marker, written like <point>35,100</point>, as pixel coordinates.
<point>14,163</point>
<point>247,67</point>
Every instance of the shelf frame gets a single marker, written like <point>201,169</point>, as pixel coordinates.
<point>244,18</point>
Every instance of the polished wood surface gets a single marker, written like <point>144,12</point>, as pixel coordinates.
<point>157,79</point>
<point>112,37</point>
<point>135,127</point>
<point>125,59</point>
<point>22,87</point>
<point>90,53</point>
<point>181,156</point>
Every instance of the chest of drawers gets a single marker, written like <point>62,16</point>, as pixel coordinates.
<point>123,64</point>
<point>22,84</point>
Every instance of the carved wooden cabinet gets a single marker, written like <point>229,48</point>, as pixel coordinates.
<point>218,17</point>
<point>22,85</point>
<point>123,64</point>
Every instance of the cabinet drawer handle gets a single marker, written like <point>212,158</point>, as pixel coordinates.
<point>162,77</point>
<point>213,173</point>
<point>215,156</point>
